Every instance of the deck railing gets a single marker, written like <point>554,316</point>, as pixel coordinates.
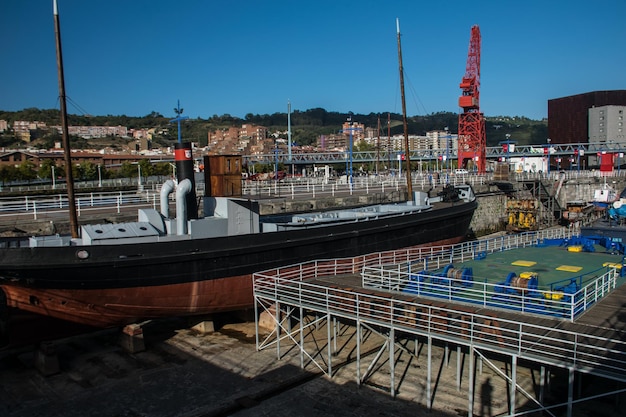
<point>437,255</point>
<point>548,302</point>
<point>587,353</point>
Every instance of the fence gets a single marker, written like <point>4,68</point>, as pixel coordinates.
<point>294,286</point>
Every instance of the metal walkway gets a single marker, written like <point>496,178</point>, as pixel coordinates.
<point>304,297</point>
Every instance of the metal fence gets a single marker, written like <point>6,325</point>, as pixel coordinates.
<point>560,302</point>
<point>293,286</point>
<point>34,207</point>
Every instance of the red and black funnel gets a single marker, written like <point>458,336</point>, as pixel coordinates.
<point>184,170</point>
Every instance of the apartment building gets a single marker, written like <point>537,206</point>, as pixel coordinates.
<point>606,124</point>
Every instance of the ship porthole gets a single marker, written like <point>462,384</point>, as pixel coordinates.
<point>82,254</point>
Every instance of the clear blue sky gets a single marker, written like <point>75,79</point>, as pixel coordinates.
<point>132,57</point>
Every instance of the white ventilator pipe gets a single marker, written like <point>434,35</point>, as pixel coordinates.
<point>184,188</point>
<point>166,189</point>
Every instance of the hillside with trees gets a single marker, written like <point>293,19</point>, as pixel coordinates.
<point>306,126</point>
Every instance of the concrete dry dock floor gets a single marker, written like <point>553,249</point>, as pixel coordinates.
<point>183,373</point>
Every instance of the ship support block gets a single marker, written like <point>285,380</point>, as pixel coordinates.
<point>46,359</point>
<point>131,339</point>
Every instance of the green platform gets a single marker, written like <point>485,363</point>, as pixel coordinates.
<point>550,263</point>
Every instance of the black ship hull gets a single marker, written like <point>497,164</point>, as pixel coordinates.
<point>108,285</point>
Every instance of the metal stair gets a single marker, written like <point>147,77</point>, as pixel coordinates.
<point>550,210</point>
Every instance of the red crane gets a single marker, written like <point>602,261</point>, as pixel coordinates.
<point>472,137</point>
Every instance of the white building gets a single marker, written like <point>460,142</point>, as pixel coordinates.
<point>529,164</point>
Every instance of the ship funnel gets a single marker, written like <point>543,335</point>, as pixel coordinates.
<point>184,170</point>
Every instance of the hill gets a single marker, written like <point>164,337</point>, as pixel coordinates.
<point>306,126</point>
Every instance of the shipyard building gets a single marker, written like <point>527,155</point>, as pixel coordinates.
<point>589,117</point>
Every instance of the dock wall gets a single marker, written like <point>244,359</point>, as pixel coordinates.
<point>489,217</point>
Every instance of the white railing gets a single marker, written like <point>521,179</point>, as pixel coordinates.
<point>442,254</point>
<point>487,331</point>
<point>555,302</point>
<point>318,187</point>
<point>588,353</point>
<point>36,206</point>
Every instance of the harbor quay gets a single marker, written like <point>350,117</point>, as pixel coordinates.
<point>553,194</point>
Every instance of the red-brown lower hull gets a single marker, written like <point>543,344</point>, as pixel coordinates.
<point>114,307</point>
<point>120,306</point>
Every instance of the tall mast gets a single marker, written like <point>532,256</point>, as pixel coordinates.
<point>388,141</point>
<point>378,145</point>
<point>409,185</point>
<point>69,176</point>
<point>289,127</point>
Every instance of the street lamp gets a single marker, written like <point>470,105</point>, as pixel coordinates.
<point>447,147</point>
<point>508,144</point>
<point>54,184</point>
<point>99,177</point>
<point>276,161</point>
<point>350,129</point>
<point>549,151</point>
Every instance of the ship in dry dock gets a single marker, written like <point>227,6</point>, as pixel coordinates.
<point>164,265</point>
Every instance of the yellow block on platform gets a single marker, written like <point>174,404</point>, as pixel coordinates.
<point>569,268</point>
<point>612,265</point>
<point>557,296</point>
<point>523,263</point>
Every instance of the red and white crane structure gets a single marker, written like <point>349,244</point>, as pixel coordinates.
<point>472,137</point>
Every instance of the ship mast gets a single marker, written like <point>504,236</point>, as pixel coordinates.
<point>409,185</point>
<point>69,176</point>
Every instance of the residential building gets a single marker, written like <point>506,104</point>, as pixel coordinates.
<point>606,124</point>
<point>25,130</point>
<point>246,139</point>
<point>89,132</point>
<point>356,129</point>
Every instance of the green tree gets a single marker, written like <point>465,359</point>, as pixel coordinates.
<point>77,172</point>
<point>127,170</point>
<point>26,171</point>
<point>45,169</point>
<point>8,173</point>
<point>162,168</point>
<point>146,167</point>
<point>88,170</point>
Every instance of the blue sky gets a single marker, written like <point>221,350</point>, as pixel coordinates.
<point>132,57</point>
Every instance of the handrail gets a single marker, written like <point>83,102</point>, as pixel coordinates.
<point>587,353</point>
<point>543,302</point>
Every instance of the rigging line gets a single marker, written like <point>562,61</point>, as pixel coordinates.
<point>415,95</point>
<point>78,107</point>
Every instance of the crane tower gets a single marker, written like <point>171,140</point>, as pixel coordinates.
<point>472,138</point>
